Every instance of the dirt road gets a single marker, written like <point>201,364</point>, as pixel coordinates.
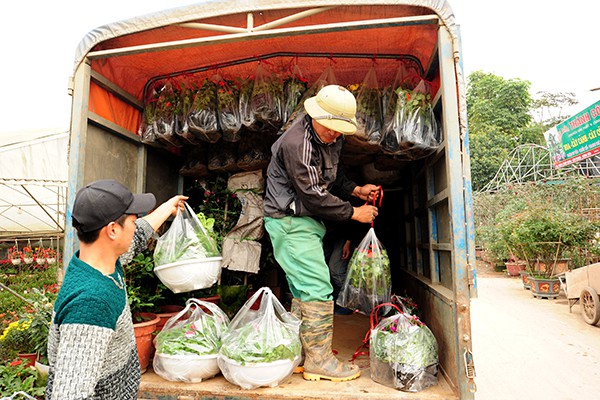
<point>528,348</point>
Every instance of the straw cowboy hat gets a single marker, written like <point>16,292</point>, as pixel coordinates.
<point>334,107</point>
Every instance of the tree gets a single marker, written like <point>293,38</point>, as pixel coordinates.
<point>499,119</point>
<point>549,108</point>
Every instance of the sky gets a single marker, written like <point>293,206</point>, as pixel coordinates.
<point>553,45</point>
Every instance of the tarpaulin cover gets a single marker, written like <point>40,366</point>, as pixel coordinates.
<point>132,71</point>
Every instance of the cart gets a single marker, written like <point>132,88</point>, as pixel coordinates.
<point>584,284</point>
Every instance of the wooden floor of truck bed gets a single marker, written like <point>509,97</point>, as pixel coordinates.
<point>349,331</point>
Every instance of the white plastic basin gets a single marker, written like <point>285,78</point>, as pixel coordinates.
<point>189,275</point>
<point>185,368</point>
<point>253,375</point>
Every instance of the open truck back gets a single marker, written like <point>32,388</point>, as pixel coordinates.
<point>428,224</point>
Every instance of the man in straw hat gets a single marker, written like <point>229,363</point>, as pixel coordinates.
<point>300,178</point>
<point>91,344</point>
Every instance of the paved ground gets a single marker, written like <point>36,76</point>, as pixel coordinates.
<point>528,348</point>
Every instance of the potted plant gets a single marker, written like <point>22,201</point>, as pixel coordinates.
<point>27,255</point>
<point>50,255</point>
<point>40,255</point>
<point>27,337</point>
<point>541,234</point>
<point>15,255</point>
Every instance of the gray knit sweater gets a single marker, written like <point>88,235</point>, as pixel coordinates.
<point>91,345</point>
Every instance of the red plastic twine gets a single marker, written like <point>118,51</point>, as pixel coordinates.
<point>374,321</point>
<point>374,201</point>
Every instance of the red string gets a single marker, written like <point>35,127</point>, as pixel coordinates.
<point>374,321</point>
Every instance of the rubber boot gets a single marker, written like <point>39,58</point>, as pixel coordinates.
<point>316,333</point>
<point>296,311</point>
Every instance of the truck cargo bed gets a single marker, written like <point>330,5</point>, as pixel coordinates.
<point>348,335</point>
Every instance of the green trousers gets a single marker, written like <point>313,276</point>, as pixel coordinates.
<point>298,248</point>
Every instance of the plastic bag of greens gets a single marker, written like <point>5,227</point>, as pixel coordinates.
<point>228,94</point>
<point>368,280</point>
<point>413,132</point>
<point>266,102</point>
<point>188,346</point>
<point>403,353</point>
<point>263,345</point>
<point>202,119</point>
<point>186,239</point>
<point>327,77</point>
<point>369,114</point>
<point>293,89</point>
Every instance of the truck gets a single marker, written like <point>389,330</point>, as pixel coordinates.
<point>428,227</point>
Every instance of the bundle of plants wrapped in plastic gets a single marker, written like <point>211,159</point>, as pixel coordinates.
<point>186,256</point>
<point>293,89</point>
<point>266,102</point>
<point>403,353</point>
<point>202,118</point>
<point>327,77</point>
<point>369,113</point>
<point>187,92</point>
<point>187,348</point>
<point>228,97</point>
<point>368,280</point>
<point>263,346</point>
<point>158,118</point>
<point>413,132</point>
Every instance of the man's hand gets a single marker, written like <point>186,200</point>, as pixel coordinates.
<point>365,214</point>
<point>367,192</point>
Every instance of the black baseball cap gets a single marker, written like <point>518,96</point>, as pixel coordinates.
<point>101,202</point>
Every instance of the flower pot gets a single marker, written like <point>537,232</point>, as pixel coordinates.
<point>28,358</point>
<point>545,288</point>
<point>15,261</point>
<point>143,338</point>
<point>28,260</point>
<point>513,268</point>
<point>166,312</point>
<point>525,279</point>
<point>40,261</point>
<point>42,369</point>
<point>51,260</point>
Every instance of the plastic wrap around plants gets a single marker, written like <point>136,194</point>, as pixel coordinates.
<point>186,257</point>
<point>202,118</point>
<point>228,98</point>
<point>403,353</point>
<point>263,346</point>
<point>187,347</point>
<point>412,132</point>
<point>327,77</point>
<point>369,114</point>
<point>368,280</point>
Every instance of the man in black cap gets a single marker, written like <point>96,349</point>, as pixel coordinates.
<point>91,345</point>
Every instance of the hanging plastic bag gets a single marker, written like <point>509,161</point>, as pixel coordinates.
<point>327,77</point>
<point>186,239</point>
<point>369,114</point>
<point>368,280</point>
<point>182,110</point>
<point>186,257</point>
<point>263,346</point>
<point>413,132</point>
<point>202,119</point>
<point>406,78</point>
<point>187,348</point>
<point>158,127</point>
<point>293,90</point>
<point>228,98</point>
<point>266,102</point>
<point>222,157</point>
<point>247,117</point>
<point>403,353</point>
<point>254,151</point>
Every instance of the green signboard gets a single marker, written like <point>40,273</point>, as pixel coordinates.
<point>575,139</point>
